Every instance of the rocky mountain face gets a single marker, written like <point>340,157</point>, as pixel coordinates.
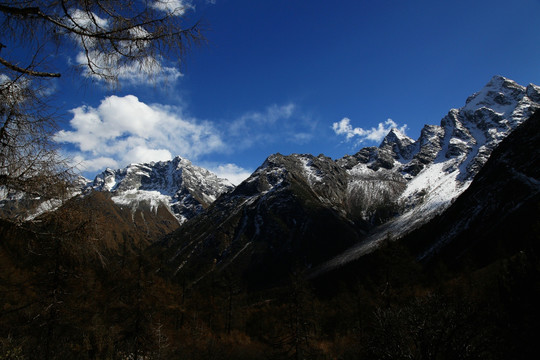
<point>17,205</point>
<point>184,189</point>
<point>289,213</point>
<point>298,211</point>
<point>497,216</point>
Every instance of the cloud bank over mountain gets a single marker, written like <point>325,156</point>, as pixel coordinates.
<point>123,130</point>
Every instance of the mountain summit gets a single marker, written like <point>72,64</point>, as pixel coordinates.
<point>185,189</point>
<point>442,163</point>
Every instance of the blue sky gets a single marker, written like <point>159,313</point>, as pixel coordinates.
<point>276,75</point>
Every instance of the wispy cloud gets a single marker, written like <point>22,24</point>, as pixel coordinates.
<point>149,70</point>
<point>375,134</point>
<point>277,123</point>
<point>106,66</point>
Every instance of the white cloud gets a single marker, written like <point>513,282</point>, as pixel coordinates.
<point>143,154</point>
<point>82,18</point>
<point>95,164</point>
<point>176,7</point>
<point>123,130</point>
<point>375,134</point>
<point>232,172</point>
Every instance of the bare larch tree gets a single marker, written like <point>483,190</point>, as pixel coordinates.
<point>110,38</point>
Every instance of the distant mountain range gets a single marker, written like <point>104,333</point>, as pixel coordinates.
<point>316,213</point>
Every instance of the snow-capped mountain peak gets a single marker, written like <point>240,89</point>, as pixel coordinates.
<point>182,187</point>
<point>399,144</point>
<point>397,135</point>
<point>500,95</point>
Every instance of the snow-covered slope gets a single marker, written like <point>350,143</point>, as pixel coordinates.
<point>182,187</point>
<point>498,213</point>
<point>440,165</point>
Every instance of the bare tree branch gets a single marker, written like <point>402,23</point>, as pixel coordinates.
<point>27,71</point>
<point>118,33</point>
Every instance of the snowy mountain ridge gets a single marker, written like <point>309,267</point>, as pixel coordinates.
<point>180,186</point>
<point>313,212</point>
<point>311,209</point>
<point>442,163</point>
